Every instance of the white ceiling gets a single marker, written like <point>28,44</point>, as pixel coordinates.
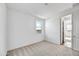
<point>40,9</point>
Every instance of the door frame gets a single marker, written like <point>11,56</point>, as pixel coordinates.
<point>61,34</point>
<point>61,31</point>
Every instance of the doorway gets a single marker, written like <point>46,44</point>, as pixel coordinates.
<point>66,30</point>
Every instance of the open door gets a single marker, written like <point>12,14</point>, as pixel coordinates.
<point>66,30</point>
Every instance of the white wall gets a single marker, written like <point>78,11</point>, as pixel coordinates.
<point>53,29</point>
<point>21,30</point>
<point>76,27</point>
<point>53,26</point>
<point>3,29</point>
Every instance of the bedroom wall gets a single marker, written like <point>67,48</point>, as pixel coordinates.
<point>53,26</point>
<point>53,29</point>
<point>3,29</point>
<point>21,29</point>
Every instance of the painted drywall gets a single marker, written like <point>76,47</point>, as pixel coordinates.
<point>53,25</point>
<point>76,27</point>
<point>21,29</point>
<point>3,29</point>
<point>52,28</point>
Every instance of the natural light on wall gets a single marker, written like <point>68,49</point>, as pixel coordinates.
<point>38,24</point>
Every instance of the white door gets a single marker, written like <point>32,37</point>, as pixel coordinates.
<point>68,31</point>
<point>76,30</point>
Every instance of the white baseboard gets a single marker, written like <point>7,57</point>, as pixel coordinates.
<point>33,42</point>
<point>53,42</point>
